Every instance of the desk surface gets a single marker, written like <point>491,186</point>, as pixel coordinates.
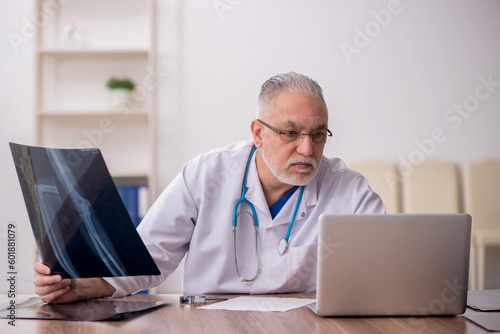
<point>177,318</point>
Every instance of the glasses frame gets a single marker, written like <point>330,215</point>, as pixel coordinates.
<point>328,134</point>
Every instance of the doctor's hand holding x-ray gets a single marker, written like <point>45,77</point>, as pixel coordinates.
<point>246,214</point>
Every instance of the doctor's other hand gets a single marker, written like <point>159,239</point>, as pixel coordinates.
<point>55,289</point>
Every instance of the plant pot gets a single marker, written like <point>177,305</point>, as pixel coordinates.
<point>120,98</point>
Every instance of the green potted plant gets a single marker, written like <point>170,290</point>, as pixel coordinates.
<point>120,89</point>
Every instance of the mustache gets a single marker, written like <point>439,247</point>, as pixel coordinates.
<point>304,160</point>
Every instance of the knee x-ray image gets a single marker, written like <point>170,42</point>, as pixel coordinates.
<point>80,224</point>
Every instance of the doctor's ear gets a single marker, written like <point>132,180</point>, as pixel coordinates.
<point>256,129</point>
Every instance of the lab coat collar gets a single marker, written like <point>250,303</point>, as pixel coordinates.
<point>255,194</point>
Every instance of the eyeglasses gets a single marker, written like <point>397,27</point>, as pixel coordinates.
<point>317,137</point>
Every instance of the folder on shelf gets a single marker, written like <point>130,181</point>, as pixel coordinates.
<point>134,198</point>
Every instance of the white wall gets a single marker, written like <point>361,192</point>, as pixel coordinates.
<point>392,94</point>
<point>16,125</point>
<point>392,98</point>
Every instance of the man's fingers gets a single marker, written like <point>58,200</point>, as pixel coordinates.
<point>45,287</point>
<point>43,277</point>
<point>53,296</point>
<point>42,269</point>
<point>53,288</point>
<point>49,287</point>
<point>44,280</point>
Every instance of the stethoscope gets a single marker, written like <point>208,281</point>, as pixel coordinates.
<point>283,244</point>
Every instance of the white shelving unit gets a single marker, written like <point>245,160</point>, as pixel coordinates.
<point>82,44</point>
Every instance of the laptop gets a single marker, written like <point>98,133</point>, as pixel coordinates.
<point>80,224</point>
<point>392,264</point>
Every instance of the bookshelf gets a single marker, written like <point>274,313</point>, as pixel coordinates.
<point>79,46</point>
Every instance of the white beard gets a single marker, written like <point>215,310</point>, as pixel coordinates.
<point>281,172</point>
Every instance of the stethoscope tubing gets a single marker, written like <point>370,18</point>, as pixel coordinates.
<point>281,250</point>
<point>255,222</point>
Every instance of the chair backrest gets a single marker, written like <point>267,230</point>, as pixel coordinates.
<point>482,192</point>
<point>383,178</point>
<point>432,187</point>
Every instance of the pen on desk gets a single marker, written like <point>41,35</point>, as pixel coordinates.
<point>199,299</point>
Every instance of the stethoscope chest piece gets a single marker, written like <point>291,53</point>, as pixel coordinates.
<point>282,246</point>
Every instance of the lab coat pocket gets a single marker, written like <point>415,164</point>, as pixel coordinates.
<point>301,268</point>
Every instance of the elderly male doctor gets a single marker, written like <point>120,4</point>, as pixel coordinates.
<point>279,181</point>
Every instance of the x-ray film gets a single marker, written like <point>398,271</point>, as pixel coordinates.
<point>80,224</point>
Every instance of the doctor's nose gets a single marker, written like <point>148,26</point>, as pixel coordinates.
<point>305,147</point>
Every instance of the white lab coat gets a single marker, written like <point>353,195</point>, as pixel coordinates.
<point>194,215</point>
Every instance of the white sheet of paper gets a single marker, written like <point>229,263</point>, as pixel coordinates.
<point>263,304</point>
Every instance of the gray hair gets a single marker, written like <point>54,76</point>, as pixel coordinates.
<point>291,82</point>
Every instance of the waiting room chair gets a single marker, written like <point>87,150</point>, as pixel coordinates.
<point>482,202</point>
<point>383,178</point>
<point>432,187</point>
